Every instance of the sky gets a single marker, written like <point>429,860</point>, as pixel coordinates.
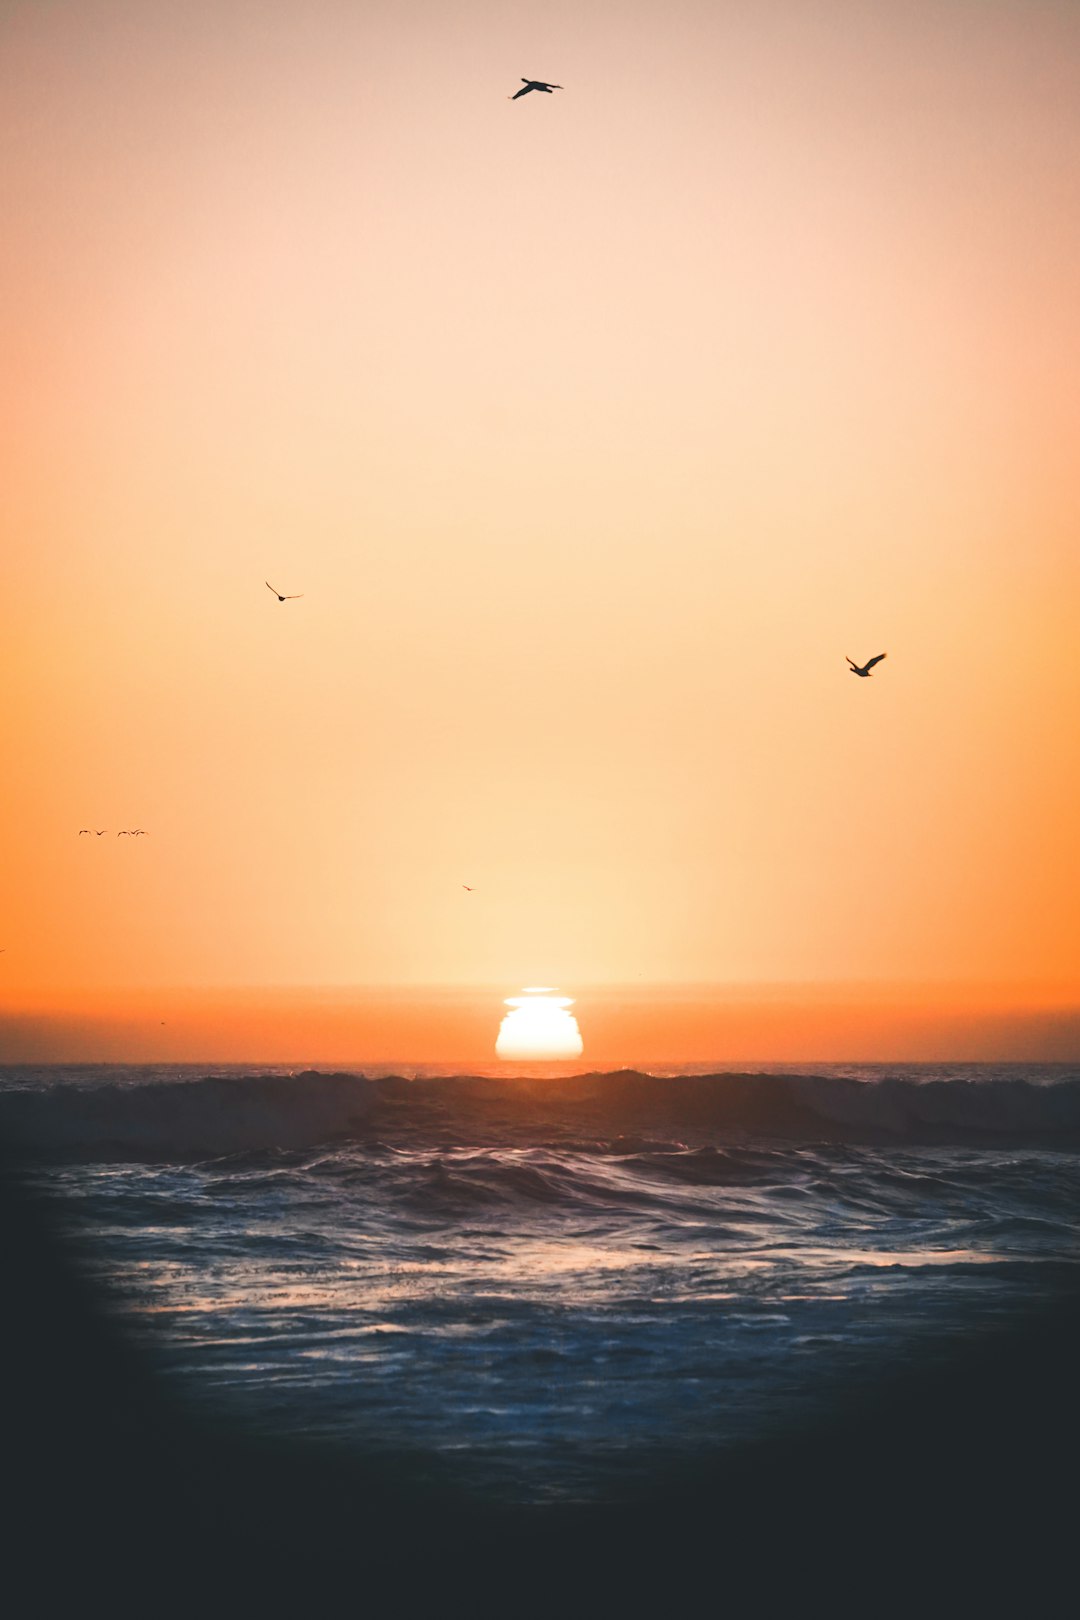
<point>596,430</point>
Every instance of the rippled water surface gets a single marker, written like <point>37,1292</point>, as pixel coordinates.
<point>545,1308</point>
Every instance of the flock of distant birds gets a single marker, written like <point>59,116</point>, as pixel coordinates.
<point>862,670</point>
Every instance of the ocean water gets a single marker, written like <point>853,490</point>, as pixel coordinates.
<point>541,1284</point>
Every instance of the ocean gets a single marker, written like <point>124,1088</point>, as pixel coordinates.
<point>543,1287</point>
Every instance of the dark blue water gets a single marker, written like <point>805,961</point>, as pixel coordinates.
<point>544,1285</point>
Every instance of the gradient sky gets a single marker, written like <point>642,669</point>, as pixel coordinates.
<point>596,429</point>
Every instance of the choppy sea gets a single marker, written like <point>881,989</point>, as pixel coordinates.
<point>542,1282</point>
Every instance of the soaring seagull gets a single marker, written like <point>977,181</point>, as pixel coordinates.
<point>534,84</point>
<point>279,596</point>
<point>867,667</point>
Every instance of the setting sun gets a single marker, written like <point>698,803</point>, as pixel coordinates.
<point>538,1026</point>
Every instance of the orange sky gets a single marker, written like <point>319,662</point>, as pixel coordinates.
<point>596,429</point>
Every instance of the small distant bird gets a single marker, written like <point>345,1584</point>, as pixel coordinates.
<point>83,830</point>
<point>279,596</point>
<point>138,832</point>
<point>124,834</point>
<point>867,667</point>
<point>92,830</point>
<point>534,84</point>
<point>469,887</point>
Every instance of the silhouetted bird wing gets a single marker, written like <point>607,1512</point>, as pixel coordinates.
<point>524,92</point>
<point>870,662</point>
<point>852,662</point>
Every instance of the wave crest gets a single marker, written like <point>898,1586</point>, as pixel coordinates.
<point>215,1115</point>
<point>235,1114</point>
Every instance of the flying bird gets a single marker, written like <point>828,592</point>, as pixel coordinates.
<point>469,887</point>
<point>534,84</point>
<point>88,831</point>
<point>867,667</point>
<point>281,598</point>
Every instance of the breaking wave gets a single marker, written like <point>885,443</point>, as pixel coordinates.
<point>215,1115</point>
<point>229,1114</point>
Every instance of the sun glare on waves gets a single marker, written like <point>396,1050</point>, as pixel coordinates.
<point>538,1027</point>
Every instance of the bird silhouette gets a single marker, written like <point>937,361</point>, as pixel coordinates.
<point>279,596</point>
<point>867,667</point>
<point>469,887</point>
<point>92,831</point>
<point>534,84</point>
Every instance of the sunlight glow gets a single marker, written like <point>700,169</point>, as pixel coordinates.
<point>538,1026</point>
